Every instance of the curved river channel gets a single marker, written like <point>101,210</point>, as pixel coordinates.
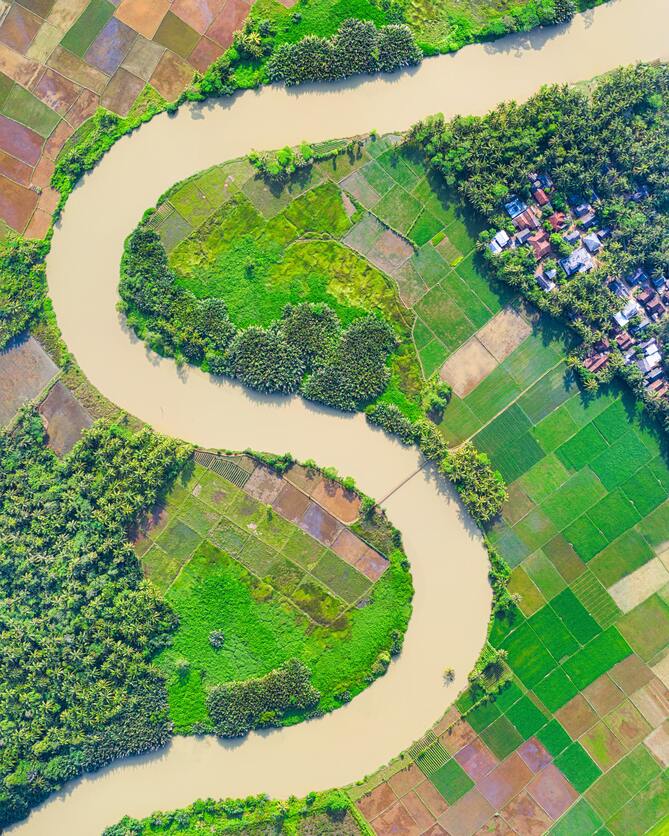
<point>449,565</point>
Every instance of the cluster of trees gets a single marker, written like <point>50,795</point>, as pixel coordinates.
<point>357,47</point>
<point>608,146</point>
<point>237,707</point>
<point>328,813</point>
<point>481,488</point>
<point>79,624</point>
<point>279,166</point>
<point>306,351</point>
<point>22,286</point>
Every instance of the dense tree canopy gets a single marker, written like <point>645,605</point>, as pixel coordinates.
<point>22,286</point>
<point>306,351</point>
<point>78,624</point>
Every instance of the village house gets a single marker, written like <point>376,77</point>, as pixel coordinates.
<point>579,261</point>
<point>540,244</point>
<point>500,241</point>
<point>558,221</point>
<point>592,243</point>
<point>623,317</point>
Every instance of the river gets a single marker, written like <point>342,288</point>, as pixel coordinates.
<point>449,565</point>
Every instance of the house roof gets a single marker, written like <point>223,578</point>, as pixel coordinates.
<point>541,197</point>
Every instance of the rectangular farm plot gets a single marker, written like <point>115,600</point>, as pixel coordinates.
<point>553,389</point>
<point>459,422</point>
<point>467,367</point>
<point>621,557</point>
<point>88,26</point>
<point>25,108</point>
<point>569,501</point>
<point>25,371</point>
<point>192,204</point>
<point>597,657</point>
<point>503,335</point>
<point>398,209</point>
<point>491,396</point>
<point>528,656</point>
<point>621,460</point>
<point>445,318</point>
<point>343,579</point>
<point>636,587</point>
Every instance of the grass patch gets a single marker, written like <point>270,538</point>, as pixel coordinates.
<point>492,394</point>
<point>644,490</point>
<point>528,656</point>
<point>646,627</point>
<point>87,27</point>
<point>544,477</point>
<point>544,574</point>
<point>554,737</point>
<point>554,633</point>
<point>555,429</point>
<point>555,690</point>
<point>346,581</point>
<point>577,619</point>
<point>452,781</point>
<point>569,501</point>
<point>526,717</point>
<point>501,738</point>
<point>547,394</point>
<point>581,448</point>
<point>614,514</point>
<point>623,458</point>
<point>585,537</point>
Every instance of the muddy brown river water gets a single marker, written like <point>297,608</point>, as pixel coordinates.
<point>452,599</point>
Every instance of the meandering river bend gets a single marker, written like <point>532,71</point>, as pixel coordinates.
<point>452,599</point>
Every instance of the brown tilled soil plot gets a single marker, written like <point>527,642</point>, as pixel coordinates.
<point>504,333</point>
<point>65,418</point>
<point>25,371</point>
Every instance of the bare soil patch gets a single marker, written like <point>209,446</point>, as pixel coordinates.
<point>504,333</point>
<point>467,367</point>
<point>25,370</point>
<point>65,419</point>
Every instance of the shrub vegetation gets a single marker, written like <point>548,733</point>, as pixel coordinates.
<point>22,286</point>
<point>329,814</point>
<point>237,707</point>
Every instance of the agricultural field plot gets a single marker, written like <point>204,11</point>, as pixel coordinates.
<point>236,548</point>
<point>367,230</point>
<point>570,744</point>
<point>577,740</point>
<point>25,371</point>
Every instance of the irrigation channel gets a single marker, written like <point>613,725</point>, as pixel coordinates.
<point>452,598</point>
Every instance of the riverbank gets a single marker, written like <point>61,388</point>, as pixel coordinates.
<point>82,271</point>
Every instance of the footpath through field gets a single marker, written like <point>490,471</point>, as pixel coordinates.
<point>449,564</point>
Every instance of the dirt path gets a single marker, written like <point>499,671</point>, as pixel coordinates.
<point>452,598</point>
